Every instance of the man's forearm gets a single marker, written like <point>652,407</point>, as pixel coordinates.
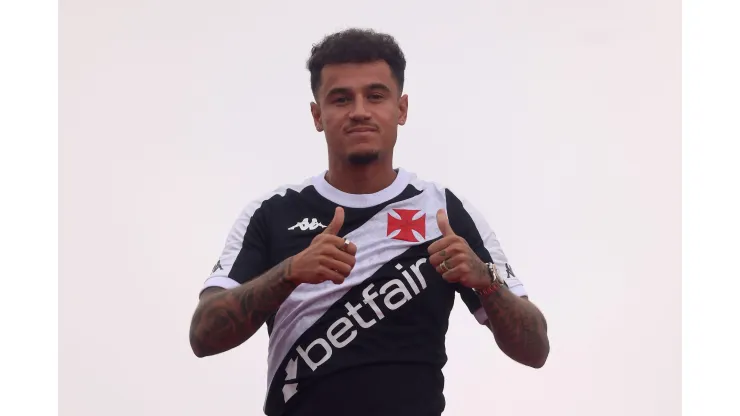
<point>518,326</point>
<point>227,318</point>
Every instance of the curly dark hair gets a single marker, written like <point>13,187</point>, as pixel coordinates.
<point>356,46</point>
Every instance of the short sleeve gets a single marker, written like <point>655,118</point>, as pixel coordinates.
<point>245,254</point>
<point>468,223</point>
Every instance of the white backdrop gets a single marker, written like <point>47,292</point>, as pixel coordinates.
<point>175,113</point>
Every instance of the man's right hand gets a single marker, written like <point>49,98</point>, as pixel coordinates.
<point>326,258</point>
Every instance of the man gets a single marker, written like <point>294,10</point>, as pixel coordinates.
<point>355,270</point>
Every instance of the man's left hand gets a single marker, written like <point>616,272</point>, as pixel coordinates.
<point>453,258</point>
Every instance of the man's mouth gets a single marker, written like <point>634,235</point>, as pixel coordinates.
<point>363,129</point>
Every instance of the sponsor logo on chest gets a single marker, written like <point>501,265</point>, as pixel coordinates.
<point>377,301</point>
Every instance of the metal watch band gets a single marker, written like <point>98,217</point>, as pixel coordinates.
<point>496,281</point>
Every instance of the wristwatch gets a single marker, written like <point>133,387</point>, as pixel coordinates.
<point>496,281</point>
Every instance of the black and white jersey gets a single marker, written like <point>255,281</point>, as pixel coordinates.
<point>375,344</point>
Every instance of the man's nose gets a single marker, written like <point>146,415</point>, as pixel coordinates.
<point>359,110</point>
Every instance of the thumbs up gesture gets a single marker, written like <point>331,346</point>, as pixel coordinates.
<point>453,258</point>
<point>329,257</point>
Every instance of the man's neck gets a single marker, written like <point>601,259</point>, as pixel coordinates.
<point>361,179</point>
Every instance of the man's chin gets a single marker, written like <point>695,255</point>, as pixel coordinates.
<point>363,158</point>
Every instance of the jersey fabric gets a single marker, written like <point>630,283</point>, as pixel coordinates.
<point>375,344</point>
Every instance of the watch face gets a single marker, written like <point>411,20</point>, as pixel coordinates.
<point>497,277</point>
<point>492,271</point>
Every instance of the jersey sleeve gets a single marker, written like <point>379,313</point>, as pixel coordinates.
<point>468,223</point>
<point>245,254</point>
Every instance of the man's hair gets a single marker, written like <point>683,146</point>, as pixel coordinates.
<point>356,46</point>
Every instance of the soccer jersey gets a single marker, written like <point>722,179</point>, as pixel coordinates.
<point>374,344</point>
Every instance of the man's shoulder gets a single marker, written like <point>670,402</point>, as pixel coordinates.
<point>425,184</point>
<point>275,196</point>
<point>434,185</point>
<point>456,201</point>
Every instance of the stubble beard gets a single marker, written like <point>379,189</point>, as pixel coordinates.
<point>364,158</point>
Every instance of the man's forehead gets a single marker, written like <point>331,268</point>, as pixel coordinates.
<point>356,76</point>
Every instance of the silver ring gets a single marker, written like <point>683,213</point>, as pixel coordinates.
<point>444,266</point>
<point>345,247</point>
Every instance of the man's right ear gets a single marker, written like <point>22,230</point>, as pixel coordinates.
<point>316,114</point>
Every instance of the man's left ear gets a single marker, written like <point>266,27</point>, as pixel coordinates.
<point>316,114</point>
<point>403,105</point>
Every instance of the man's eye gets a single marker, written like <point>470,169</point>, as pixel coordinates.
<point>376,96</point>
<point>341,100</point>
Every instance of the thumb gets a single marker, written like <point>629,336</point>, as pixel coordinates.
<point>444,223</point>
<point>336,223</point>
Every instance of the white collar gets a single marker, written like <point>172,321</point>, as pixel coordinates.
<point>361,200</point>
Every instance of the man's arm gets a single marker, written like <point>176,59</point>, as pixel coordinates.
<point>518,326</point>
<point>224,319</point>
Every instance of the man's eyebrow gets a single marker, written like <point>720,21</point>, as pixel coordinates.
<point>379,86</point>
<point>338,91</point>
<point>347,90</point>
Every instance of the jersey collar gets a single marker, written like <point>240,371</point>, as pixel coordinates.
<point>361,200</point>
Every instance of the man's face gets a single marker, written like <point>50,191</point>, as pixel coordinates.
<point>359,109</point>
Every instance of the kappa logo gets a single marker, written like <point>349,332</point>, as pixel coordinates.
<point>407,225</point>
<point>217,267</point>
<point>306,225</point>
<point>509,272</point>
<point>371,309</point>
<point>511,279</point>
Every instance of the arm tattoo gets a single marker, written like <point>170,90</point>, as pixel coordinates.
<point>519,327</point>
<point>227,318</point>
